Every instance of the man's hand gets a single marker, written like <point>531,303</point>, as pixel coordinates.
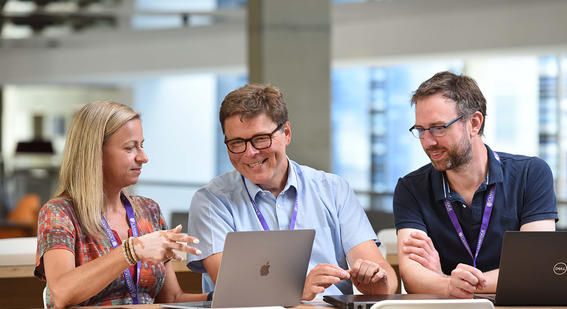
<point>465,280</point>
<point>367,272</point>
<point>320,278</point>
<point>420,248</point>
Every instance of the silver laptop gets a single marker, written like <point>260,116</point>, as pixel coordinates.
<point>533,269</point>
<point>261,268</point>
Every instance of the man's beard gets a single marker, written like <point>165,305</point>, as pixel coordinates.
<point>457,156</point>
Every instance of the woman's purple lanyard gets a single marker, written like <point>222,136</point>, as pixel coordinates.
<point>485,218</point>
<point>132,287</point>
<point>261,217</point>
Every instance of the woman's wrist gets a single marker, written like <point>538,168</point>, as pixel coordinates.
<point>125,251</point>
<point>133,254</point>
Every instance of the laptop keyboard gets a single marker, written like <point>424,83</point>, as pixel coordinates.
<point>192,304</point>
<point>490,297</point>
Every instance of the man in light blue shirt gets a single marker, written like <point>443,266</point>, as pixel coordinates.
<point>267,190</point>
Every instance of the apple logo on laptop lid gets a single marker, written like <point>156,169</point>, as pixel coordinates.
<point>265,269</point>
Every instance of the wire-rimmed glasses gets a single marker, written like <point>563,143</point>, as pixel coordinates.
<point>435,131</point>
<point>258,141</point>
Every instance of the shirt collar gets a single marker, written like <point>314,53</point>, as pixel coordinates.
<point>437,184</point>
<point>495,175</point>
<point>254,189</point>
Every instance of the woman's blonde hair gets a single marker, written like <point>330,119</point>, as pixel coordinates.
<point>81,175</point>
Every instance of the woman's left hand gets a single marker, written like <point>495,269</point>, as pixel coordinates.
<point>158,246</point>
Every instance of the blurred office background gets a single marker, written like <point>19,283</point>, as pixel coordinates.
<point>174,61</point>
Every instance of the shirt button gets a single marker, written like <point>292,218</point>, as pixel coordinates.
<point>279,206</point>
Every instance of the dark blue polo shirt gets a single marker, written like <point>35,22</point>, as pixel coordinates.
<point>524,193</point>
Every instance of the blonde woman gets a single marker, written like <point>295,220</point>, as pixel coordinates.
<point>96,244</point>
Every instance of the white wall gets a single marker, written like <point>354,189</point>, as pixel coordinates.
<point>510,86</point>
<point>179,120</point>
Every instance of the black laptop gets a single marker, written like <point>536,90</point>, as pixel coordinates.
<point>405,301</point>
<point>366,301</point>
<point>533,269</point>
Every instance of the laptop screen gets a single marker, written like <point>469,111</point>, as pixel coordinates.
<point>533,269</point>
<point>263,268</point>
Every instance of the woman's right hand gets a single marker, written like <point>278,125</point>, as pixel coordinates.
<point>158,246</point>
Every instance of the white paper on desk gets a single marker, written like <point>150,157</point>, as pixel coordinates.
<point>268,307</point>
<point>317,301</point>
<point>181,306</point>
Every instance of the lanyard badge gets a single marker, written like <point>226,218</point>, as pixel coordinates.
<point>261,217</point>
<point>485,218</point>
<point>132,287</point>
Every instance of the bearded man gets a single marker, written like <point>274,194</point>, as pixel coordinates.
<point>451,214</point>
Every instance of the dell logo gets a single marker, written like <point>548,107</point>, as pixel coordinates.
<point>265,269</point>
<point>560,268</point>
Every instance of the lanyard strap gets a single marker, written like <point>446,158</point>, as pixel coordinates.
<point>261,217</point>
<point>483,227</point>
<point>132,287</point>
<point>485,219</point>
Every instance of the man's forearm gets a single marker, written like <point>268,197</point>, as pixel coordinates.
<point>418,279</point>
<point>491,281</point>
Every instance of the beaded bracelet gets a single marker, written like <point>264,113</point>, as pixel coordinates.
<point>125,252</point>
<point>129,253</point>
<point>132,251</point>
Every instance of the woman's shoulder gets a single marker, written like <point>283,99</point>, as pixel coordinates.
<point>60,204</point>
<point>61,200</point>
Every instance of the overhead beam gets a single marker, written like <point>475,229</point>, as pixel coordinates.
<point>393,30</point>
<point>361,33</point>
<point>127,55</point>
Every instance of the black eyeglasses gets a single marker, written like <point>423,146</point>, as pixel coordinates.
<point>259,141</point>
<point>436,131</point>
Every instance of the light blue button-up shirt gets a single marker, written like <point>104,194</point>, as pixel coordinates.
<point>326,203</point>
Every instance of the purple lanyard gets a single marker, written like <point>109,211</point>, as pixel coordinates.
<point>261,217</point>
<point>485,218</point>
<point>132,288</point>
